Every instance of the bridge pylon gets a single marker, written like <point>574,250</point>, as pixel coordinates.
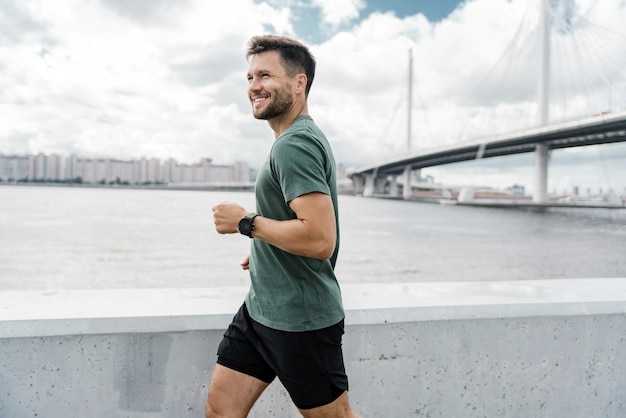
<point>540,192</point>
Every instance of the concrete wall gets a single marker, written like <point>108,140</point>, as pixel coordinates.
<point>552,348</point>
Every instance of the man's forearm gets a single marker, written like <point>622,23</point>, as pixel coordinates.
<point>297,236</point>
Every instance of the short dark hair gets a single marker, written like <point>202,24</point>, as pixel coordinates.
<point>295,56</point>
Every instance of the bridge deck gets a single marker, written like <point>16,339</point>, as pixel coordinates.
<point>603,129</point>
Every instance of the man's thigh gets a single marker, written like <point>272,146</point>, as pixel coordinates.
<point>232,393</point>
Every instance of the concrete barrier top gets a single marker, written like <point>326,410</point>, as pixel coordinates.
<point>71,312</point>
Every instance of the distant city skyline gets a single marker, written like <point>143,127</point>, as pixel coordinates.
<point>73,168</point>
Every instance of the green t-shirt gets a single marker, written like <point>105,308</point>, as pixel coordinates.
<point>289,292</point>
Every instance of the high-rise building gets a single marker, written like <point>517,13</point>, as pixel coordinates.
<point>13,168</point>
<point>43,167</point>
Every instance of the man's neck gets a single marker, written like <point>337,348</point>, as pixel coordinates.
<point>281,123</point>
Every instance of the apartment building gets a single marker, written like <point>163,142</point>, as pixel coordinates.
<point>43,167</point>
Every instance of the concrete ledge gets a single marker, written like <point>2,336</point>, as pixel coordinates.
<point>71,312</point>
<point>548,348</point>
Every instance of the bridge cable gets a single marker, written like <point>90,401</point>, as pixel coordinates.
<point>380,142</point>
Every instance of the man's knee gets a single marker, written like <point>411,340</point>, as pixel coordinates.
<point>208,410</point>
<point>212,408</point>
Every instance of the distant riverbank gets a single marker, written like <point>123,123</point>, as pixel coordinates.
<point>158,186</point>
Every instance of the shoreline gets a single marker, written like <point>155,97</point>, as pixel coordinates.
<point>200,187</point>
<point>495,202</point>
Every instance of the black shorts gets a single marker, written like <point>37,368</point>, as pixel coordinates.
<point>309,364</point>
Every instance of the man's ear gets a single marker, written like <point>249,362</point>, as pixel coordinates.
<point>301,84</point>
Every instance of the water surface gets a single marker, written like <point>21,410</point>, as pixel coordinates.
<point>92,238</point>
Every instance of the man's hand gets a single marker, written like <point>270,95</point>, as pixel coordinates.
<point>245,264</point>
<point>226,217</point>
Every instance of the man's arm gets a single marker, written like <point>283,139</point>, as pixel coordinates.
<point>312,234</point>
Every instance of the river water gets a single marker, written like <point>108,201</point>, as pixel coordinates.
<point>96,238</point>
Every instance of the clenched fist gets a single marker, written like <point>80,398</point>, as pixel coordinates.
<point>226,217</point>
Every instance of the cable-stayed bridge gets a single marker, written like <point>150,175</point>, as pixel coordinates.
<point>606,126</point>
<point>381,177</point>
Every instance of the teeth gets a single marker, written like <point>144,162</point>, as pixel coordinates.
<point>259,99</point>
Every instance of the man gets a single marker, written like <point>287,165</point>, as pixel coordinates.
<point>291,323</point>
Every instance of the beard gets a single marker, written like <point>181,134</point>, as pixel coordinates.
<point>280,103</point>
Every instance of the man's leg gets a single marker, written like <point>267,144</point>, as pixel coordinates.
<point>339,408</point>
<point>232,394</point>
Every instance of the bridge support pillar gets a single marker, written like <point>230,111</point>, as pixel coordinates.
<point>394,190</point>
<point>540,193</point>
<point>407,190</point>
<point>375,184</point>
<point>358,184</point>
<point>368,190</point>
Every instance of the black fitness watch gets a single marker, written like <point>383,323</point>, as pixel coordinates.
<point>246,224</point>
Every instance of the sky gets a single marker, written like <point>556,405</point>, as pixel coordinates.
<point>164,79</point>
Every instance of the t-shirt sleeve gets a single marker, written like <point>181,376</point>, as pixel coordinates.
<point>299,163</point>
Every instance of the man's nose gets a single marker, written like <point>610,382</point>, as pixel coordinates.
<point>254,84</point>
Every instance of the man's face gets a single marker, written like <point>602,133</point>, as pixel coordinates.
<point>269,86</point>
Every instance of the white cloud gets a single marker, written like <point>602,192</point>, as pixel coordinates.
<point>337,12</point>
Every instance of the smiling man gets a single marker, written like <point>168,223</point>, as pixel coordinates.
<point>292,321</point>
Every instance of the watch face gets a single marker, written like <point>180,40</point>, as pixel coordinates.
<point>245,226</point>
